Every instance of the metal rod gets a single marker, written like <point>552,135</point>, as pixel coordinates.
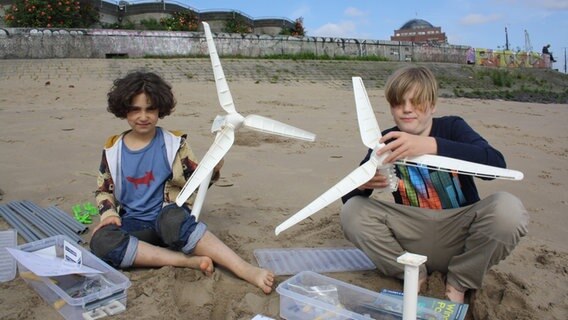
<point>35,220</point>
<point>24,221</point>
<point>22,229</point>
<point>60,217</point>
<point>71,220</point>
<point>62,214</point>
<point>52,220</point>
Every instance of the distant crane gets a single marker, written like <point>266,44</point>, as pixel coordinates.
<point>528,45</point>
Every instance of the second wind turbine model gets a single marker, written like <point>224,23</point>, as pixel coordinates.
<point>370,134</point>
<point>225,127</point>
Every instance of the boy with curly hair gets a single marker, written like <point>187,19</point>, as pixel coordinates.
<point>141,173</point>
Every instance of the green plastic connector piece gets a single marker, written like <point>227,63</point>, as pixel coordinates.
<point>90,209</point>
<point>76,210</point>
<point>83,213</point>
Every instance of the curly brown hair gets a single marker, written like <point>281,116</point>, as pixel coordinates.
<point>124,89</point>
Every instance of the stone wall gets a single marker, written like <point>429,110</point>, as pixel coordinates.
<point>21,43</point>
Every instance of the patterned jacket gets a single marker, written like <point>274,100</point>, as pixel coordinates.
<point>180,157</point>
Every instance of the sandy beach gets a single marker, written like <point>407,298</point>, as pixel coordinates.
<point>53,122</point>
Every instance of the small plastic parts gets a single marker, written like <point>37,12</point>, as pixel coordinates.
<point>83,213</point>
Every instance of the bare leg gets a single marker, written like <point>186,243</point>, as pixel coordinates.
<point>212,247</point>
<point>153,256</point>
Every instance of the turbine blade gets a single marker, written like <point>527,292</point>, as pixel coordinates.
<point>223,142</point>
<point>353,180</point>
<point>268,125</point>
<point>225,97</point>
<point>368,125</point>
<point>462,167</point>
<point>200,198</point>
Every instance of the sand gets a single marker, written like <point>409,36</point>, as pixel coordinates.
<point>53,123</point>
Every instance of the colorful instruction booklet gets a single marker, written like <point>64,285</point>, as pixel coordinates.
<point>390,302</point>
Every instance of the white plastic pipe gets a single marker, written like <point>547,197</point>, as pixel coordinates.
<point>411,263</point>
<point>200,198</point>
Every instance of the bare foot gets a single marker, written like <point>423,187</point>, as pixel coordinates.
<point>203,263</point>
<point>454,294</point>
<point>262,278</point>
<point>206,266</point>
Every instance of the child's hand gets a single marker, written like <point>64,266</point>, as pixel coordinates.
<point>406,145</point>
<point>108,220</point>
<point>378,181</point>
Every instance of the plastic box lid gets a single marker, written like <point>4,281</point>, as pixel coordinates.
<point>8,239</point>
<point>110,283</point>
<point>286,261</point>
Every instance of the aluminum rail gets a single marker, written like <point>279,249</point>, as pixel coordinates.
<point>67,219</point>
<point>52,220</point>
<point>33,219</point>
<point>23,229</point>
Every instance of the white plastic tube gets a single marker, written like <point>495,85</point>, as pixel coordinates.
<point>411,263</point>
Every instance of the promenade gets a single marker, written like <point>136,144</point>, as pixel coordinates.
<point>331,73</point>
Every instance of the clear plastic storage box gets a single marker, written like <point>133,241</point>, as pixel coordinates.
<point>77,296</point>
<point>309,295</point>
<point>8,239</point>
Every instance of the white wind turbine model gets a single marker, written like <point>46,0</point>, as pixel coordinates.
<point>370,134</point>
<point>225,126</point>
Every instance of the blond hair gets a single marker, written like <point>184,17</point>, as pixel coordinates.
<point>417,78</point>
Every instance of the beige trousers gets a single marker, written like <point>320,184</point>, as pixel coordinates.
<point>462,243</point>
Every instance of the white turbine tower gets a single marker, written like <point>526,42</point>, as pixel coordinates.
<point>370,134</point>
<point>225,126</point>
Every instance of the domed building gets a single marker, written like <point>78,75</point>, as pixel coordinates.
<point>420,31</point>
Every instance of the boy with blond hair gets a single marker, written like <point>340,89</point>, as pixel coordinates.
<point>436,214</point>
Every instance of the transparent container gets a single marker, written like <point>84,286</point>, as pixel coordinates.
<point>8,239</point>
<point>78,296</point>
<point>309,295</point>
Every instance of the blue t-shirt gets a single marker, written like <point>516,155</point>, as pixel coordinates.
<point>144,173</point>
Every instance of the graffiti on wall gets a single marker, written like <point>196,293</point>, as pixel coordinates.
<point>507,58</point>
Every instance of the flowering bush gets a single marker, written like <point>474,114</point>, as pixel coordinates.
<point>51,14</point>
<point>298,29</point>
<point>185,20</point>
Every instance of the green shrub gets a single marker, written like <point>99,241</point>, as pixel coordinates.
<point>124,25</point>
<point>237,25</point>
<point>152,24</point>
<point>501,78</point>
<point>51,14</point>
<point>185,20</point>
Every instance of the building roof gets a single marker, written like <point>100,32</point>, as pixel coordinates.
<point>416,24</point>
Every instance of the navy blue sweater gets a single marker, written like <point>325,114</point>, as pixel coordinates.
<point>455,139</point>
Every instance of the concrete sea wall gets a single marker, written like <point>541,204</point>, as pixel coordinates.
<point>22,43</point>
